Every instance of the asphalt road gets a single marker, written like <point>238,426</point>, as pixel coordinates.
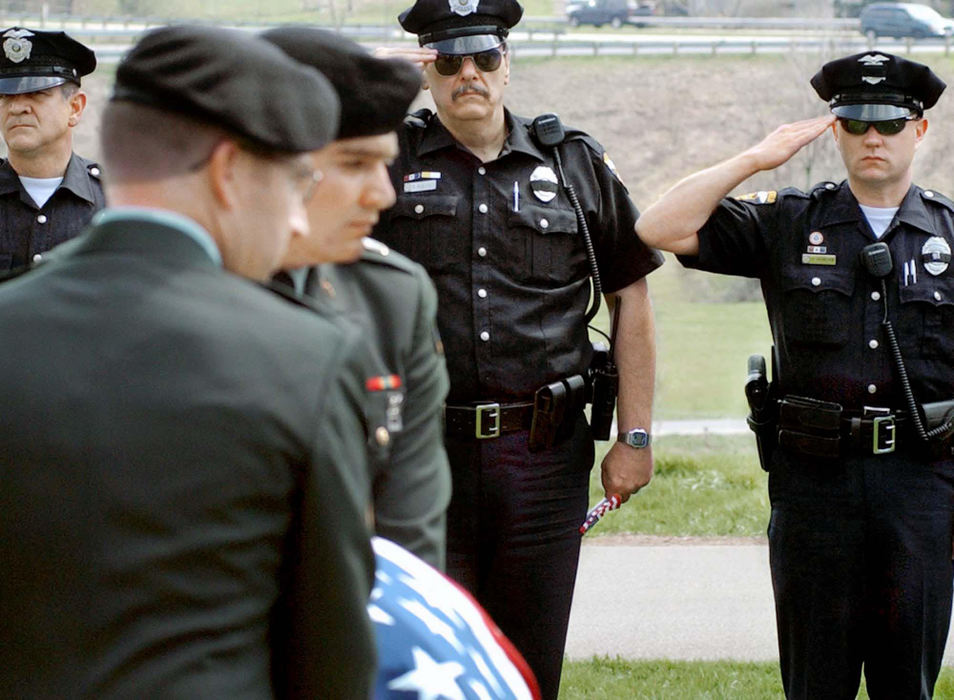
<point>638,599</point>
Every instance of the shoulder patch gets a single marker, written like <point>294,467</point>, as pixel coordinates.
<point>760,197</point>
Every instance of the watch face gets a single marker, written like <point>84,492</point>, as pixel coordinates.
<point>637,437</point>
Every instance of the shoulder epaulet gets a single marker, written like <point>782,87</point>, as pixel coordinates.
<point>419,119</point>
<point>937,197</point>
<point>823,188</point>
<point>374,251</point>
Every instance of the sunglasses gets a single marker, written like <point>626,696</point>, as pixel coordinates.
<point>885,128</point>
<point>449,64</point>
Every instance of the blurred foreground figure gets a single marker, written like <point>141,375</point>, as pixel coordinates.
<point>170,525</point>
<point>388,296</point>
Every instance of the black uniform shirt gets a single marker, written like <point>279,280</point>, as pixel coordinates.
<point>27,230</point>
<point>825,310</point>
<point>501,242</point>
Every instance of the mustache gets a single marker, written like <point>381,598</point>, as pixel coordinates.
<point>472,89</point>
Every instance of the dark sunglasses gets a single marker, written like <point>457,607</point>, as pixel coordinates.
<point>449,64</point>
<point>885,128</point>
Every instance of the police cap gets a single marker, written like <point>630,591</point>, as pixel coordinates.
<point>35,60</point>
<point>461,26</point>
<point>875,86</point>
<point>232,79</point>
<point>375,93</point>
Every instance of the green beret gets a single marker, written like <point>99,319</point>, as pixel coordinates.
<point>232,79</point>
<point>375,93</point>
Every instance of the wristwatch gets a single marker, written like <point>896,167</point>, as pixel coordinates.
<point>637,437</point>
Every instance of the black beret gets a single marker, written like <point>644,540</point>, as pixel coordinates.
<point>374,93</point>
<point>876,86</point>
<point>461,26</point>
<point>35,60</point>
<point>232,79</point>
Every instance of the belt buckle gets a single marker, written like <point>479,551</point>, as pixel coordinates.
<point>883,434</point>
<point>489,412</point>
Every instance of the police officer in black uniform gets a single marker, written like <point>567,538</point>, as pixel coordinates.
<point>47,193</point>
<point>390,297</point>
<point>860,297</point>
<point>483,205</point>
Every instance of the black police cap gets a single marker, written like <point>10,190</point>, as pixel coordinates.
<point>375,93</point>
<point>876,86</point>
<point>232,79</point>
<point>461,26</point>
<point>36,60</point>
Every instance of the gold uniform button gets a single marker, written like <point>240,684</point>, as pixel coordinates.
<point>382,436</point>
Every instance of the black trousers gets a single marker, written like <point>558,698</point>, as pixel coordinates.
<point>513,538</point>
<point>860,555</point>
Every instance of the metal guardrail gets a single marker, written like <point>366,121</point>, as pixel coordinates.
<point>111,37</point>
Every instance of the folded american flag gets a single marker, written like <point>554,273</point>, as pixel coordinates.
<point>434,640</point>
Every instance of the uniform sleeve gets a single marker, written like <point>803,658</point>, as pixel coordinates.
<point>411,496</point>
<point>331,650</point>
<point>611,216</point>
<point>733,240</point>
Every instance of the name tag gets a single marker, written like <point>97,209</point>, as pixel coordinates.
<point>809,259</point>
<point>420,186</point>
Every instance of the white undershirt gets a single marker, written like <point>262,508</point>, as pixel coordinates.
<point>879,218</point>
<point>40,188</point>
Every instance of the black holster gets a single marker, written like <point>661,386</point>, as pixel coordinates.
<point>763,410</point>
<point>556,407</point>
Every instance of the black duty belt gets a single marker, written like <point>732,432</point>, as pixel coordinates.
<point>487,420</point>
<point>875,433</point>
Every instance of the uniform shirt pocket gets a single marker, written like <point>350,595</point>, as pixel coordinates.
<point>817,305</point>
<point>545,245</point>
<point>425,229</point>
<point>926,316</point>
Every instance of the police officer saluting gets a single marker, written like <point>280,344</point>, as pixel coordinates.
<point>482,203</point>
<point>860,297</point>
<point>47,192</point>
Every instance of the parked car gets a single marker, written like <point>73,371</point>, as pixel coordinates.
<point>616,13</point>
<point>903,20</point>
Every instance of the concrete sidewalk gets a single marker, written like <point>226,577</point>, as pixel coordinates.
<point>644,598</point>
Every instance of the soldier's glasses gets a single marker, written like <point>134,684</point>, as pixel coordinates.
<point>885,128</point>
<point>449,64</point>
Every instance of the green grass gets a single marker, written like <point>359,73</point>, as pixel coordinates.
<point>707,485</point>
<point>602,678</point>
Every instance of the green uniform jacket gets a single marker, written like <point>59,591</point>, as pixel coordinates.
<point>394,302</point>
<point>170,524</point>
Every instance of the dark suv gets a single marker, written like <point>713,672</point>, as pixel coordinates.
<point>616,13</point>
<point>903,20</point>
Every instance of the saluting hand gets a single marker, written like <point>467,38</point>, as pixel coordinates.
<point>420,56</point>
<point>786,141</point>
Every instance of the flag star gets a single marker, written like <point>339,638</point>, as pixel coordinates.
<point>432,681</point>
